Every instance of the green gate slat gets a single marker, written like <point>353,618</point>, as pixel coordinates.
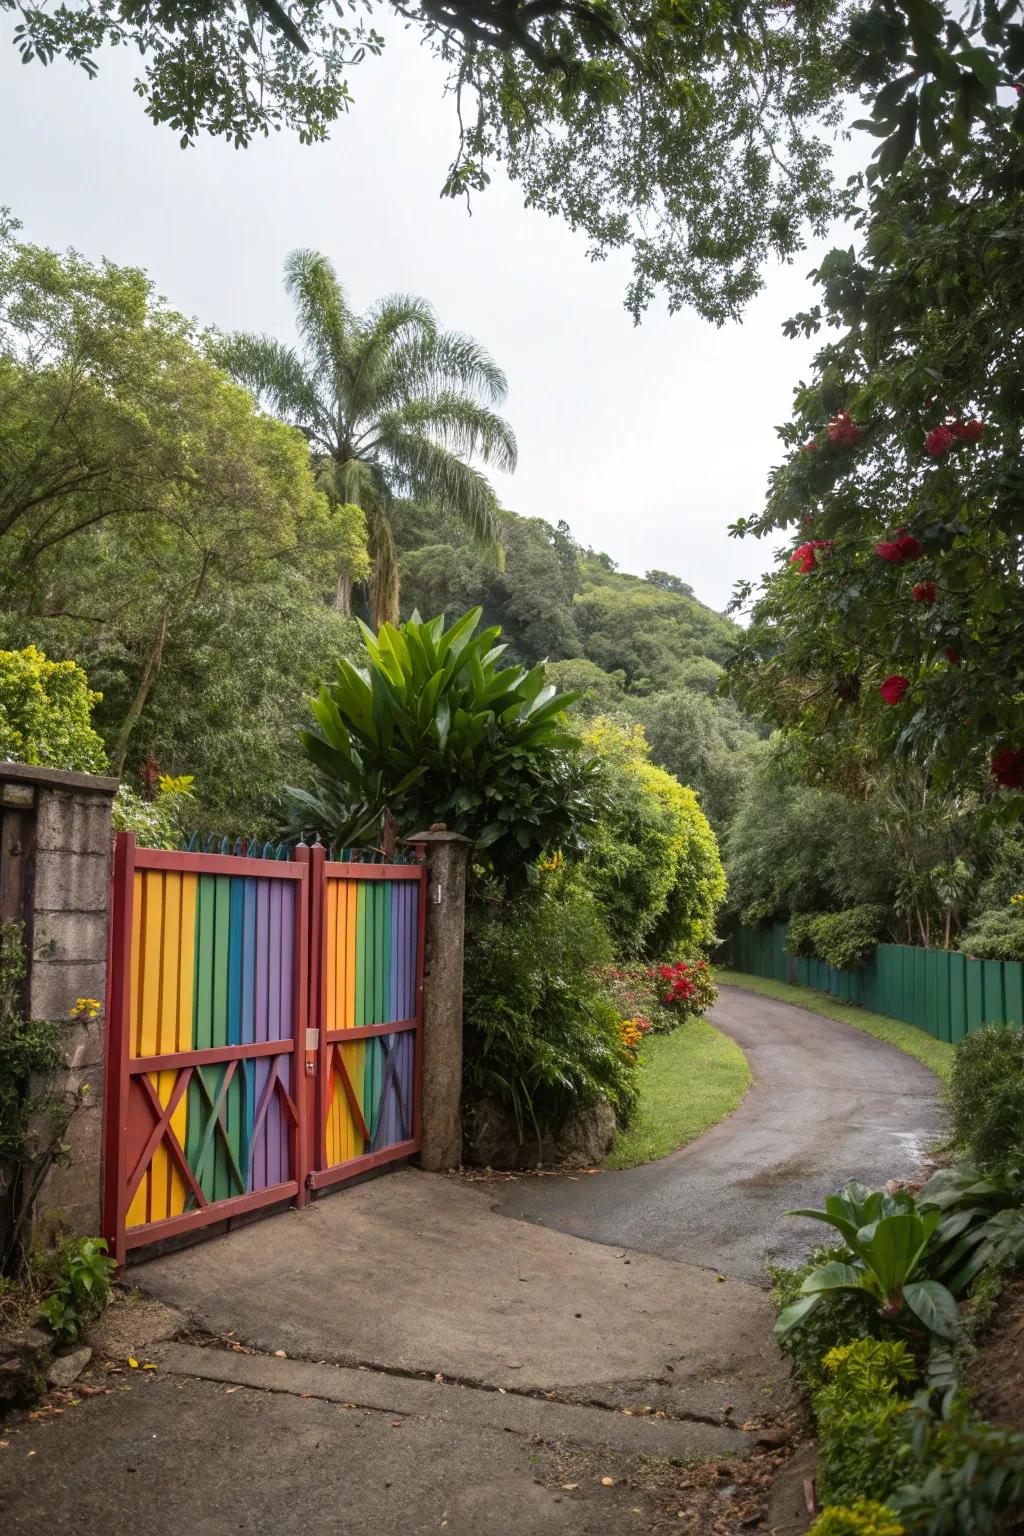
<point>957,996</point>
<point>1013,984</point>
<point>975,995</point>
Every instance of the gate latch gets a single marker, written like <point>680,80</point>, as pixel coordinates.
<point>312,1046</point>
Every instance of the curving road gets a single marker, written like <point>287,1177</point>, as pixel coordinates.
<point>828,1104</point>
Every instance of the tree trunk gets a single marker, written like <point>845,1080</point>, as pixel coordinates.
<point>154,662</point>
<point>343,595</point>
<point>384,580</point>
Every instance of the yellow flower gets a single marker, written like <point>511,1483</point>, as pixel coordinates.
<point>1018,900</point>
<point>85,1008</point>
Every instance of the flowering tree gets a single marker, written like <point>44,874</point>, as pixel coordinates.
<point>896,626</point>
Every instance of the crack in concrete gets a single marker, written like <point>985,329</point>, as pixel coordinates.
<point>199,1338</point>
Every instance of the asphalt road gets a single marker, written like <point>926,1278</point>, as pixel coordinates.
<point>828,1104</point>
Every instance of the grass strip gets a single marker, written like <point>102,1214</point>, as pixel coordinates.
<point>689,1080</point>
<point>936,1055</point>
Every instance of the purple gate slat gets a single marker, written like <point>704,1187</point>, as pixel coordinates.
<point>287,941</point>
<point>261,1022</point>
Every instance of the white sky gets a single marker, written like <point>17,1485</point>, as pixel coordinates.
<point>649,441</point>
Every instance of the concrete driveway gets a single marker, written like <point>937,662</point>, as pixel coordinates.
<point>403,1358</point>
<point>827,1104</point>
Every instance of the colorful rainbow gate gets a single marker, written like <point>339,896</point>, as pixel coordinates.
<point>264,1018</point>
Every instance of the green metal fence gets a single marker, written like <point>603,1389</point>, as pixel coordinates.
<point>937,990</point>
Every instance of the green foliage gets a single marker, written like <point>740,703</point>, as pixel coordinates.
<point>540,1035</point>
<point>697,139</point>
<point>847,940</point>
<point>437,730</point>
<point>796,848</point>
<point>653,635</point>
<point>890,1245</point>
<point>392,406</point>
<point>156,823</point>
<point>981,1222</point>
<point>45,710</point>
<point>30,1052</point>
<point>800,935</point>
<point>839,1317</point>
<point>967,1477</point>
<point>859,1373</point>
<point>82,1289</point>
<point>704,742</point>
<point>652,861</point>
<point>923,320</point>
<point>864,1517</point>
<point>864,1453</point>
<point>995,934</point>
<point>986,1095</point>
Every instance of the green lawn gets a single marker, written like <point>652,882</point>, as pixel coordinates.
<point>937,1055</point>
<point>689,1081</point>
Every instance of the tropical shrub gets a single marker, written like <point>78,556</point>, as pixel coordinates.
<point>652,859</point>
<point>864,1517</point>
<point>633,991</point>
<point>540,1035</point>
<point>967,1476</point>
<point>800,935</point>
<point>840,1317</point>
<point>687,988</point>
<point>846,940</point>
<point>986,1094</point>
<point>434,729</point>
<point>45,713</point>
<point>888,1243</point>
<point>995,934</point>
<point>862,1371</point>
<point>863,1452</point>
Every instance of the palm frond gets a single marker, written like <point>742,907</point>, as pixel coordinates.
<point>324,319</point>
<point>456,422</point>
<point>445,361</point>
<point>275,374</point>
<point>430,471</point>
<point>401,318</point>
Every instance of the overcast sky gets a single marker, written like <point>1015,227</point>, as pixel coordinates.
<point>648,440</point>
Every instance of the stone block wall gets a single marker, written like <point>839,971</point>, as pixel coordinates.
<point>55,853</point>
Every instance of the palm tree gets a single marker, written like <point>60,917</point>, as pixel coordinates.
<point>392,407</point>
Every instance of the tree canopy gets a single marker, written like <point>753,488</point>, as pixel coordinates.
<point>895,628</point>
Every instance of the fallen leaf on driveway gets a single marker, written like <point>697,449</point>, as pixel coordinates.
<point>607,1482</point>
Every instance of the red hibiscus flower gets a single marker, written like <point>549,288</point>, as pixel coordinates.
<point>968,431</point>
<point>925,592</point>
<point>1008,767</point>
<point>938,442</point>
<point>906,547</point>
<point>893,689</point>
<point>953,657</point>
<point>809,447</point>
<point>843,432</point>
<point>806,557</point>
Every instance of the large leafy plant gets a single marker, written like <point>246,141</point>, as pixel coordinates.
<point>889,1244</point>
<point>435,729</point>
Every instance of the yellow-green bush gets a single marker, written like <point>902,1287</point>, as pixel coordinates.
<point>864,1518</point>
<point>653,862</point>
<point>45,713</point>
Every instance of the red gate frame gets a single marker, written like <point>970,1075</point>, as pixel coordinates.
<point>324,1175</point>
<point>121,1067</point>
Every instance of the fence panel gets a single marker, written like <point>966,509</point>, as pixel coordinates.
<point>942,992</point>
<point>369,920</point>
<point>207,1005</point>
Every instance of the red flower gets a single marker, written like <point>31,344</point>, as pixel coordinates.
<point>906,547</point>
<point>968,431</point>
<point>1008,767</point>
<point>925,592</point>
<point>893,689</point>
<point>938,442</point>
<point>806,557</point>
<point>809,447</point>
<point>843,432</point>
<point>952,656</point>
